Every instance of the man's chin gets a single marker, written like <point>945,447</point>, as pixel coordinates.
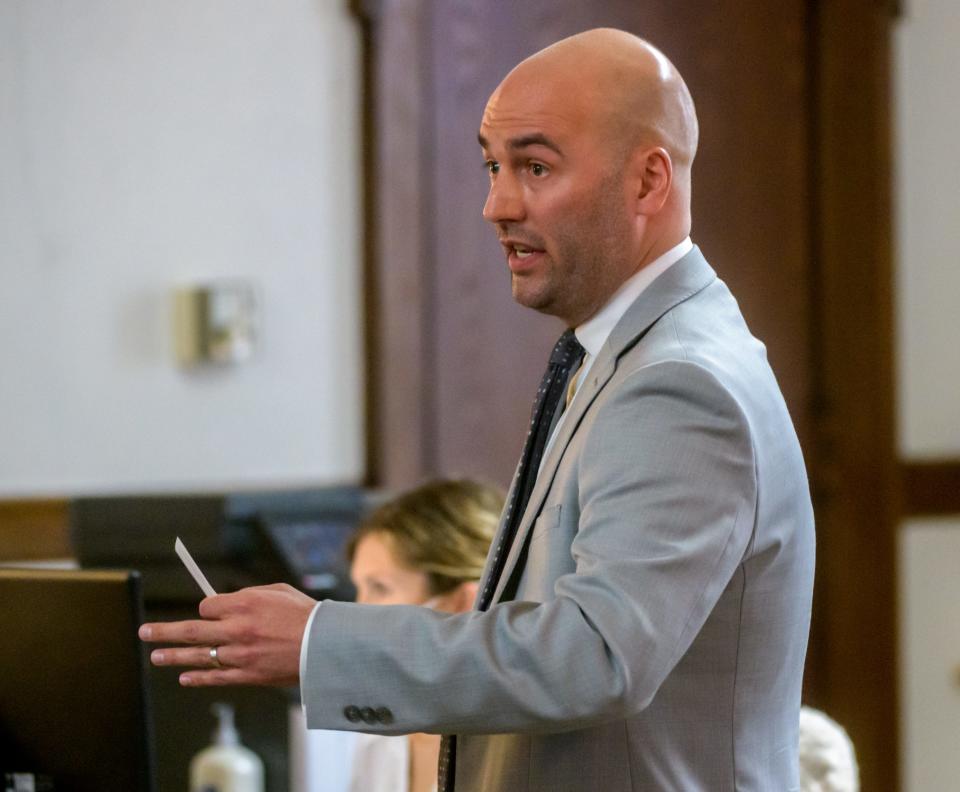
<point>528,295</point>
<point>537,300</point>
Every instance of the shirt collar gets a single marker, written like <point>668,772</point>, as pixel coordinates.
<point>593,333</point>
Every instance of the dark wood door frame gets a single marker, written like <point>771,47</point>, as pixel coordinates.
<point>853,660</point>
<point>396,296</point>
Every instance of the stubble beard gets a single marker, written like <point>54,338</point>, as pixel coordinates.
<point>588,267</point>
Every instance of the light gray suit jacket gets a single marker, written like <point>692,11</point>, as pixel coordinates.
<point>652,619</point>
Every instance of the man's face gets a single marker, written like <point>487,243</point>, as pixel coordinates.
<point>557,199</point>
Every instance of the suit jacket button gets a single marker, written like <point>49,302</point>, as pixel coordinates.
<point>385,716</point>
<point>352,713</point>
<point>368,715</point>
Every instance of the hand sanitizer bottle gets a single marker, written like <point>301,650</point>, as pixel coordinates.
<point>226,766</point>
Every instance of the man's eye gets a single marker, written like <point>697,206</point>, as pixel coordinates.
<point>537,169</point>
<point>492,166</point>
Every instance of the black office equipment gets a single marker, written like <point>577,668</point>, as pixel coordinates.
<point>74,703</point>
<point>304,534</point>
<point>238,539</point>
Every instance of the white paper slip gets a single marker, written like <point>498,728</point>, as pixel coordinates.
<point>192,568</point>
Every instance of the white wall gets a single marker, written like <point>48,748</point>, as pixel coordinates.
<point>927,116</point>
<point>930,653</point>
<point>151,143</point>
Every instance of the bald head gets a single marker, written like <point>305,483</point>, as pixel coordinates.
<point>589,145</point>
<point>624,85</point>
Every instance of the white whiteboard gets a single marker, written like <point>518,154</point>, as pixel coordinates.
<point>153,143</point>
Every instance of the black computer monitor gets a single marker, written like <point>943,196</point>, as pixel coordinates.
<point>74,704</point>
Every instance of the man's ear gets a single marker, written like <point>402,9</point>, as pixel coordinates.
<point>652,172</point>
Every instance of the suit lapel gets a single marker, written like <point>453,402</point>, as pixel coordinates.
<point>680,282</point>
<point>599,374</point>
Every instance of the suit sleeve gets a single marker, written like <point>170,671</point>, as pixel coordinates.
<point>666,489</point>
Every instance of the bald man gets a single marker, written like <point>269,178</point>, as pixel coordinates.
<point>646,612</point>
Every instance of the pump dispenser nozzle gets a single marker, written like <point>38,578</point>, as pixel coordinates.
<point>226,766</point>
<point>226,731</point>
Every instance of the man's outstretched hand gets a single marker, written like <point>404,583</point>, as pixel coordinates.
<point>256,633</point>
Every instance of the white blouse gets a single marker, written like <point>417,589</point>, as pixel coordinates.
<point>380,764</point>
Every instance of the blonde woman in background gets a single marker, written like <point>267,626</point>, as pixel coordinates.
<point>426,547</point>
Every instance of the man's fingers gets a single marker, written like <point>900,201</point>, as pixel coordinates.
<point>286,587</point>
<point>183,632</point>
<point>221,605</point>
<point>217,677</point>
<point>198,657</point>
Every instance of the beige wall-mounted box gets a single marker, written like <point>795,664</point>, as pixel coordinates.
<point>215,323</point>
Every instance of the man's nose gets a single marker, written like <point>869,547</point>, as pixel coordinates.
<point>504,201</point>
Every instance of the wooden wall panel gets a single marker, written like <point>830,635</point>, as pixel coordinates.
<point>930,488</point>
<point>34,529</point>
<point>853,658</point>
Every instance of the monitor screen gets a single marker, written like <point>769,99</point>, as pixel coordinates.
<point>74,708</point>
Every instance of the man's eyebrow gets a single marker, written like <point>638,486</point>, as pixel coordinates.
<point>533,139</point>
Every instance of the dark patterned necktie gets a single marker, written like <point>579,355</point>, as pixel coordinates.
<point>566,357</point>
